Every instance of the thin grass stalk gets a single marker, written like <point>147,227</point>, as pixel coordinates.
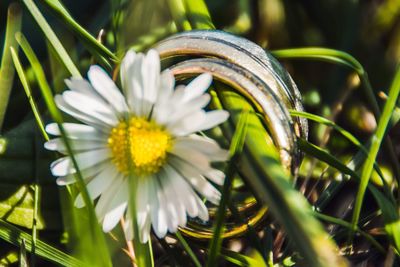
<point>320,153</point>
<point>52,38</point>
<point>23,259</point>
<point>147,40</point>
<point>348,225</point>
<point>96,233</point>
<point>28,92</point>
<point>273,185</point>
<point>179,14</point>
<point>375,145</point>
<point>13,235</point>
<point>37,197</point>
<point>143,252</point>
<point>235,150</point>
<point>387,205</point>
<point>57,7</point>
<point>332,124</point>
<point>350,137</point>
<point>188,250</point>
<point>198,15</point>
<point>324,156</point>
<point>343,58</point>
<point>7,70</point>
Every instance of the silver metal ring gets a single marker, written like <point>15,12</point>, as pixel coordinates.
<point>255,74</point>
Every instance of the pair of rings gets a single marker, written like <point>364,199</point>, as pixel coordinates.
<point>253,73</point>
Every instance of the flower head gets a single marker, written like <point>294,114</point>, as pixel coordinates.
<point>147,132</point>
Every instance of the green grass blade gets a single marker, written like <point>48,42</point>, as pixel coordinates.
<point>387,206</point>
<point>7,70</point>
<point>51,36</point>
<point>28,92</point>
<point>14,236</point>
<point>143,252</point>
<point>96,233</point>
<point>319,53</point>
<point>179,14</point>
<point>273,185</point>
<point>235,150</point>
<point>343,58</point>
<point>390,216</point>
<point>333,56</point>
<point>376,141</point>
<point>347,225</point>
<point>36,205</point>
<point>23,260</point>
<point>198,15</point>
<point>343,132</point>
<point>147,40</point>
<point>240,259</point>
<point>324,156</point>
<point>188,250</point>
<point>332,124</point>
<point>92,43</point>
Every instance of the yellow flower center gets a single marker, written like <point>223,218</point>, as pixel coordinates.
<point>139,145</point>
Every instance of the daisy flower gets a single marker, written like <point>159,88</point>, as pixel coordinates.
<point>149,133</point>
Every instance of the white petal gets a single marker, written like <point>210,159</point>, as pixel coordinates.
<point>98,185</point>
<point>200,183</point>
<point>186,192</point>
<point>132,81</point>
<point>177,95</point>
<point>142,200</point>
<point>76,131</point>
<point>197,87</point>
<point>192,156</point>
<point>66,180</point>
<point>106,87</point>
<point>198,121</point>
<point>87,174</point>
<point>86,118</point>
<point>128,227</point>
<point>158,211</point>
<point>167,83</point>
<point>151,76</point>
<point>116,208</point>
<point>172,202</point>
<point>216,176</point>
<point>187,108</point>
<point>89,105</point>
<point>188,124</point>
<point>64,166</point>
<point>57,144</point>
<point>161,113</point>
<point>136,86</point>
<point>178,192</point>
<point>124,72</point>
<point>145,230</point>
<point>205,145</point>
<point>81,85</point>
<point>84,87</point>
<point>203,211</point>
<point>213,118</point>
<point>102,206</point>
<point>198,161</point>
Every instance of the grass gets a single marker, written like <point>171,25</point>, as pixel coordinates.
<point>332,214</point>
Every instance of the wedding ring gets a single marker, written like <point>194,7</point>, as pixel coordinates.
<point>253,73</point>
